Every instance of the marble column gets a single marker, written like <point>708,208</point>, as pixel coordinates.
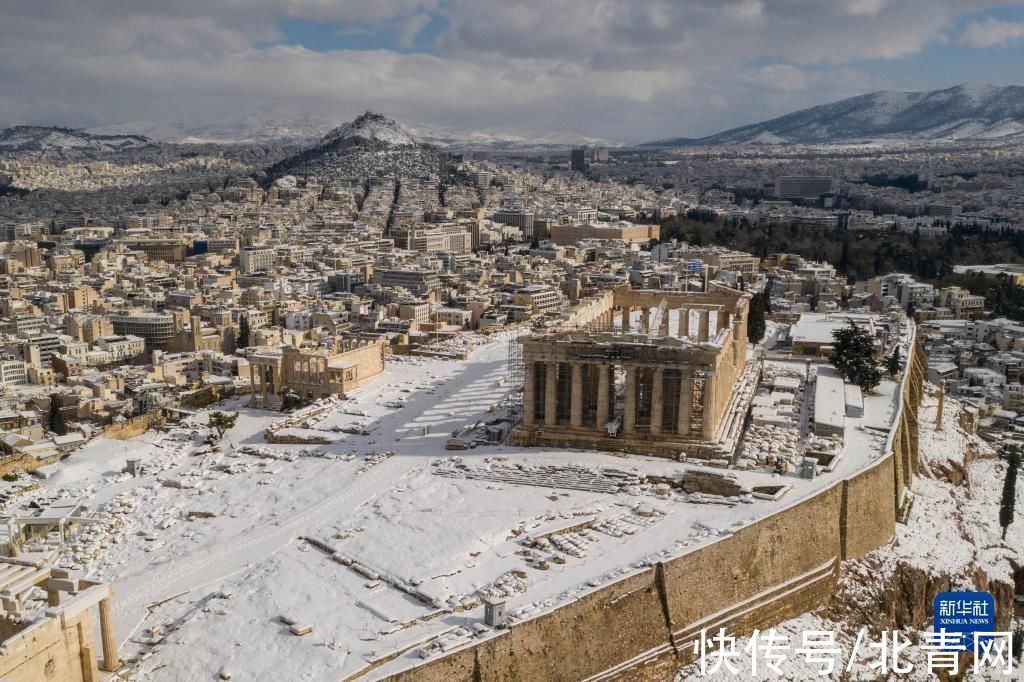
<point>576,399</point>
<point>603,395</point>
<point>657,400</point>
<point>710,400</point>
<point>629,411</point>
<point>551,394</point>
<point>684,323</point>
<point>703,325</point>
<point>685,406</point>
<point>111,660</point>
<point>529,399</point>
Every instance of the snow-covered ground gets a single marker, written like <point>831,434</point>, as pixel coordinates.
<point>380,539</point>
<point>951,532</point>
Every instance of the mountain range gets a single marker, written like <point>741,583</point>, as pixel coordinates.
<point>43,138</point>
<point>277,124</point>
<point>963,112</point>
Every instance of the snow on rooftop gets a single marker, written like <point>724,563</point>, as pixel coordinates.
<point>829,400</point>
<point>819,327</point>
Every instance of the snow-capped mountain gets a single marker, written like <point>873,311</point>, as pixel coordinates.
<point>370,145</point>
<point>44,139</point>
<point>964,112</point>
<point>370,127</point>
<point>500,138</point>
<point>277,124</point>
<point>266,126</point>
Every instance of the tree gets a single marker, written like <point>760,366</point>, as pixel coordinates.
<point>854,356</point>
<point>756,326</point>
<point>1008,501</point>
<point>56,418</point>
<point>243,331</point>
<point>221,422</point>
<point>291,401</point>
<point>892,365</point>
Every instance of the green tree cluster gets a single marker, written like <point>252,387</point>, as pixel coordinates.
<point>56,422</point>
<point>222,422</point>
<point>854,356</point>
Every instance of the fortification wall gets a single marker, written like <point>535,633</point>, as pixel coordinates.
<point>644,627</point>
<point>590,634</point>
<point>753,564</point>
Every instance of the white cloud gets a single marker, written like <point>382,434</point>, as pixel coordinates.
<point>991,33</point>
<point>411,28</point>
<point>623,69</point>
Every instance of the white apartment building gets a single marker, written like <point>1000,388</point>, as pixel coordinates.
<point>255,259</point>
<point>122,347</point>
<point>12,372</point>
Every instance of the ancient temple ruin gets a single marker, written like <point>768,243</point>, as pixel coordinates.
<point>334,366</point>
<point>647,371</point>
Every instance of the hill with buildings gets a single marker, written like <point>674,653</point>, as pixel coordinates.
<point>48,138</point>
<point>278,124</point>
<point>964,112</point>
<point>372,145</point>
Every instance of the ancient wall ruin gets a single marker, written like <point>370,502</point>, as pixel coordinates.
<point>62,646</point>
<point>136,426</point>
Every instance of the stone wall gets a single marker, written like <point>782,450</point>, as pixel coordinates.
<point>14,463</point>
<point>578,636</point>
<point>61,651</point>
<point>133,427</point>
<point>712,482</point>
<point>643,627</point>
<point>369,358</point>
<point>866,521</point>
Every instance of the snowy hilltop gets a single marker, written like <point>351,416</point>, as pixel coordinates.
<point>46,139</point>
<point>371,127</point>
<point>372,145</point>
<point>964,112</point>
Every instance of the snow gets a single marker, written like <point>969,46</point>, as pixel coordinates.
<point>35,138</point>
<point>952,530</point>
<point>372,127</point>
<point>379,538</point>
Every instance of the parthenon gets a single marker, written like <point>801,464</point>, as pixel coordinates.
<point>646,371</point>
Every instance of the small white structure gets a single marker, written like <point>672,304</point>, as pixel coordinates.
<point>854,401</point>
<point>829,403</point>
<point>494,612</point>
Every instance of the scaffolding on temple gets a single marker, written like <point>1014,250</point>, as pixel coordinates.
<point>515,374</point>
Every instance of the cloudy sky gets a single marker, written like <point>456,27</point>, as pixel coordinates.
<point>624,70</point>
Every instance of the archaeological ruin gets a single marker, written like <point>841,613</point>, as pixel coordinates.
<point>648,371</point>
<point>332,366</point>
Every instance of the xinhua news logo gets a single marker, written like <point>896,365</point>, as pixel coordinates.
<point>963,621</point>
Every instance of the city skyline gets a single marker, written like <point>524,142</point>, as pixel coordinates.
<point>625,72</point>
